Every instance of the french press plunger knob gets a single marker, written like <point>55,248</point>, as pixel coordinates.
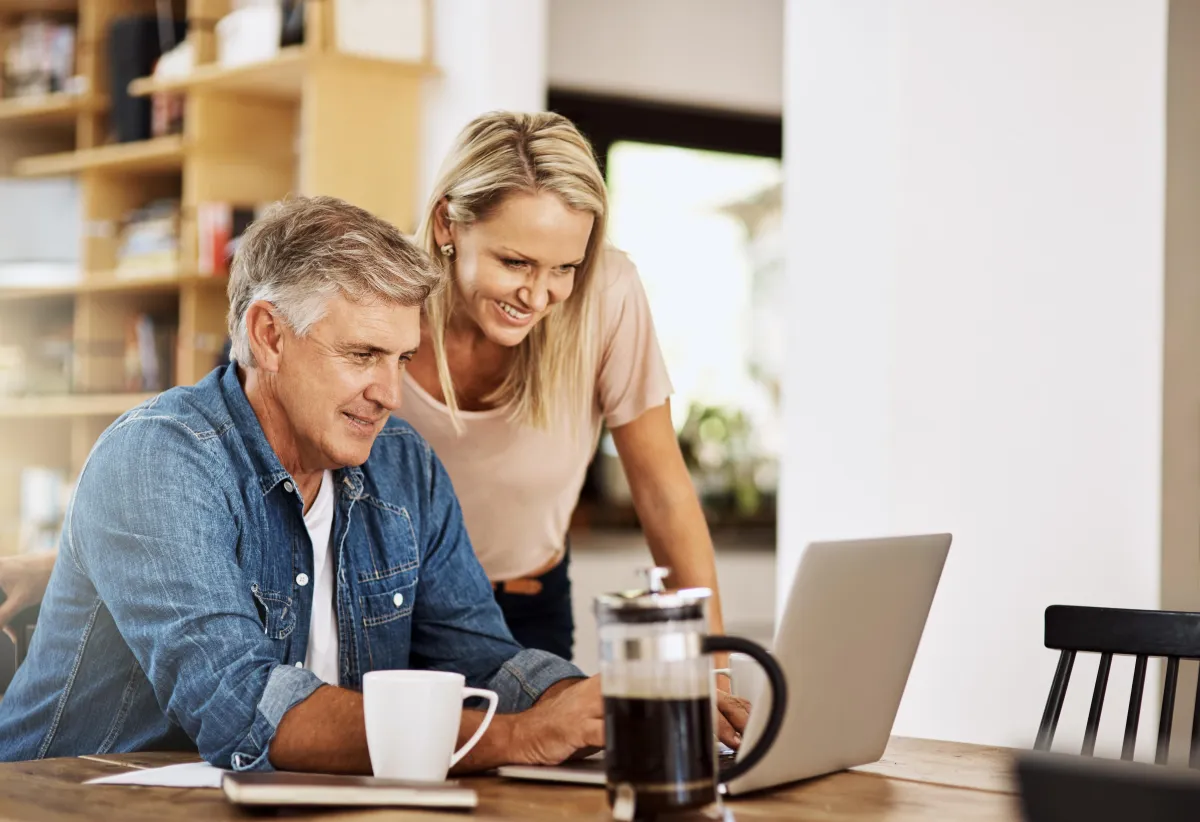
<point>654,578</point>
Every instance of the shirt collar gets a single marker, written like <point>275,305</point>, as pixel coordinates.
<point>266,462</point>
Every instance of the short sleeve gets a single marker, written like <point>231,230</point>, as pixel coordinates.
<point>632,376</point>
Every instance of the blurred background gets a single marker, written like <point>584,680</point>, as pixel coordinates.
<point>915,266</point>
<point>138,139</point>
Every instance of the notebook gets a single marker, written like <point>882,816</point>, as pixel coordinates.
<point>287,788</point>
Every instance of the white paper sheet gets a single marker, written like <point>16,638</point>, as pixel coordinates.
<point>187,775</point>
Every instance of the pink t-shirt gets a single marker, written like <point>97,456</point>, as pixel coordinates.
<point>517,484</point>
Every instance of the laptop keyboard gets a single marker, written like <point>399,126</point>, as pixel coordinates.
<point>725,760</point>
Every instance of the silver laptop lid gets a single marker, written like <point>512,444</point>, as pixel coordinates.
<point>846,642</point>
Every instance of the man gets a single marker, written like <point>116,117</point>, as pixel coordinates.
<point>239,553</point>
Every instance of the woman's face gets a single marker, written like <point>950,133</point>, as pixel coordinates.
<point>513,266</point>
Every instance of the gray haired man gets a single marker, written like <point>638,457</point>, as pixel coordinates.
<point>240,552</point>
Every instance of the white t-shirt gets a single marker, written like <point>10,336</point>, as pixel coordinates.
<point>322,656</point>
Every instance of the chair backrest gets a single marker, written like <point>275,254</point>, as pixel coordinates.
<point>22,625</point>
<point>1174,635</point>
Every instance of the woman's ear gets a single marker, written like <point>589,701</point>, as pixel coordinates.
<point>441,223</point>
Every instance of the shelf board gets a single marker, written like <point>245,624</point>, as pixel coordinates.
<point>109,284</point>
<point>69,405</point>
<point>11,7</point>
<point>159,154</point>
<point>50,109</point>
<point>281,77</point>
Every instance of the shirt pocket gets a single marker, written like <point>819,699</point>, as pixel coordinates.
<point>275,611</point>
<point>386,615</point>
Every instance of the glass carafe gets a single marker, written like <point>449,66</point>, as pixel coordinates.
<point>656,674</point>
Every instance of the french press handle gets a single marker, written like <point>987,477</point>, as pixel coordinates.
<point>779,696</point>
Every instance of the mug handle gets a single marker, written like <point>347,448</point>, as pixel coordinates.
<point>737,645</point>
<point>493,700</point>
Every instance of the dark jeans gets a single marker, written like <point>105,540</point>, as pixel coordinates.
<point>543,620</point>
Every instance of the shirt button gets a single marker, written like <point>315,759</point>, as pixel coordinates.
<point>299,664</point>
<point>287,486</point>
<point>301,579</point>
<point>398,599</point>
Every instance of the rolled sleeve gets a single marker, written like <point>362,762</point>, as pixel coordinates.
<point>287,686</point>
<point>522,680</point>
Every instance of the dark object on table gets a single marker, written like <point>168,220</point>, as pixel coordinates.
<point>1062,788</point>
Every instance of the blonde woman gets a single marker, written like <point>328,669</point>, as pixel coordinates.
<point>544,335</point>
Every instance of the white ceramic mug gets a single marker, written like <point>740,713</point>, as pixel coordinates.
<point>412,722</point>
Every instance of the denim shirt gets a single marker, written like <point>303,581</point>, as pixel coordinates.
<point>178,612</point>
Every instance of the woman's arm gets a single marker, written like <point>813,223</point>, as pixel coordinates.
<point>675,527</point>
<point>23,579</point>
<point>667,504</point>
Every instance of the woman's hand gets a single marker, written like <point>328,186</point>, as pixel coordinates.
<point>23,578</point>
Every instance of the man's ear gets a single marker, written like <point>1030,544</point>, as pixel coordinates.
<point>264,333</point>
<point>441,223</point>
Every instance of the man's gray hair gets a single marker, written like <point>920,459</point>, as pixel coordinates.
<point>306,250</point>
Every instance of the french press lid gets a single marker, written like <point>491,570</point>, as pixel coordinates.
<point>655,603</point>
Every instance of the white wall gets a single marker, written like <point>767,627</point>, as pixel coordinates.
<point>712,53</point>
<point>489,56</point>
<point>974,196</point>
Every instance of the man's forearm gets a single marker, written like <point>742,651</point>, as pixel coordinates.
<point>327,732</point>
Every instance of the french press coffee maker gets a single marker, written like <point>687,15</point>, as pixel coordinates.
<point>656,675</point>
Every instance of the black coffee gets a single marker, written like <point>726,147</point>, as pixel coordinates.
<point>663,749</point>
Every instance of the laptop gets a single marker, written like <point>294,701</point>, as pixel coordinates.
<point>846,643</point>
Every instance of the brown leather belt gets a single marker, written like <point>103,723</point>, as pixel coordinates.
<point>529,585</point>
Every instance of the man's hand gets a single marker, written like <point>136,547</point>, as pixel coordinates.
<point>23,578</point>
<point>733,713</point>
<point>568,721</point>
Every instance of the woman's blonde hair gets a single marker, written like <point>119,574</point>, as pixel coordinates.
<point>496,155</point>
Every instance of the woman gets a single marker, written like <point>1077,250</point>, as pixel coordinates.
<point>544,334</point>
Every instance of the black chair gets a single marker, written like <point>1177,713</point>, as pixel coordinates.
<point>1174,635</point>
<point>22,625</point>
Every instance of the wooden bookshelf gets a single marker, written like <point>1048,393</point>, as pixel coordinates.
<point>157,155</point>
<point>69,405</point>
<point>310,120</point>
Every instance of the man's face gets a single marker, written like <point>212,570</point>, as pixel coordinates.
<point>339,383</point>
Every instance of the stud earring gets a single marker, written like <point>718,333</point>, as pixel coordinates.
<point>447,250</point>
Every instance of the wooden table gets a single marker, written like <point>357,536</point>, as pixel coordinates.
<point>917,780</point>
